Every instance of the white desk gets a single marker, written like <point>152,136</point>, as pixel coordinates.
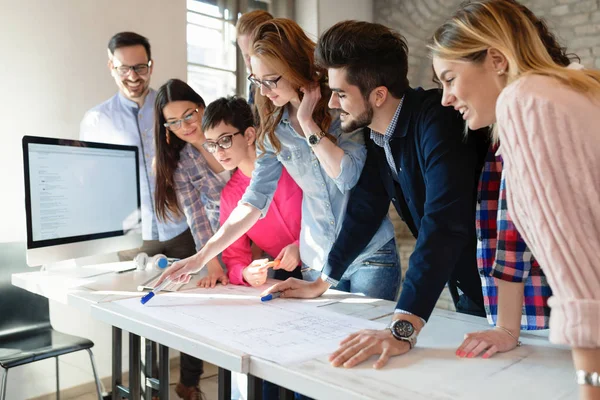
<point>538,370</point>
<point>66,287</point>
<point>430,371</point>
<point>171,336</point>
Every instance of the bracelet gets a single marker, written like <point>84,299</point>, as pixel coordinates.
<point>511,335</point>
<point>588,378</point>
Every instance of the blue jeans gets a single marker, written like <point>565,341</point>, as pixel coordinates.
<point>375,275</point>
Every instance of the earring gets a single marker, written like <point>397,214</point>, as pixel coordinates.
<point>501,72</point>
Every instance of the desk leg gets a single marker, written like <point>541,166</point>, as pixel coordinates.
<point>117,370</point>
<point>163,372</point>
<point>148,364</point>
<point>224,384</point>
<point>135,369</point>
<point>285,394</point>
<point>254,388</point>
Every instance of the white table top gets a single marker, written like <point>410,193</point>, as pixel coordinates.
<point>536,370</point>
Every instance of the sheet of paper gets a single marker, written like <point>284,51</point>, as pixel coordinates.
<point>284,331</point>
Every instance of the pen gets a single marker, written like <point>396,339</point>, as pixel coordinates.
<point>157,289</point>
<point>126,270</point>
<point>271,296</point>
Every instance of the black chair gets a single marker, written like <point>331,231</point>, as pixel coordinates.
<point>26,334</point>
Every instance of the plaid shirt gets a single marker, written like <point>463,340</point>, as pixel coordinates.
<point>198,191</point>
<point>502,253</point>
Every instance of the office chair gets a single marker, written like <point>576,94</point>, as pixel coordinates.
<point>26,334</point>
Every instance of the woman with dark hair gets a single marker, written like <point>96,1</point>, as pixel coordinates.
<point>298,132</point>
<point>188,181</point>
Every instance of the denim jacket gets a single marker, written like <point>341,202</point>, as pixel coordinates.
<point>324,199</point>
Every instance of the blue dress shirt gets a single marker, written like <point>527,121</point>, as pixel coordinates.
<point>120,121</point>
<point>324,199</point>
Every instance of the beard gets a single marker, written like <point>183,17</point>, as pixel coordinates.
<point>137,92</point>
<point>361,121</point>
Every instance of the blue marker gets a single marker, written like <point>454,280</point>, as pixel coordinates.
<point>157,289</point>
<point>271,296</point>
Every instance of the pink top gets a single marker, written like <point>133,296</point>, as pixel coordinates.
<point>279,228</point>
<point>550,143</point>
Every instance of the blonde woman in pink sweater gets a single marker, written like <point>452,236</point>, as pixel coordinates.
<point>496,71</point>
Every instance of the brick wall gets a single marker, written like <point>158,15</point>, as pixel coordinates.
<point>576,24</point>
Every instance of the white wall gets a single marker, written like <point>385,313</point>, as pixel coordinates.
<point>315,16</point>
<point>53,62</point>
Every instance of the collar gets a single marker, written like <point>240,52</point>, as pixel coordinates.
<point>408,106</point>
<point>380,138</point>
<point>127,103</point>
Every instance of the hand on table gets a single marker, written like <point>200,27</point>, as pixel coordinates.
<point>215,274</point>
<point>359,346</point>
<point>297,288</point>
<point>489,342</point>
<point>180,271</point>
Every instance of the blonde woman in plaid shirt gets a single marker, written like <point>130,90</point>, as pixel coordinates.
<point>515,289</point>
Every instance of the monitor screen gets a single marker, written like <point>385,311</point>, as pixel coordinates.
<point>79,191</point>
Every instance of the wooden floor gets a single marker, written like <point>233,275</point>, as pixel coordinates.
<point>208,385</point>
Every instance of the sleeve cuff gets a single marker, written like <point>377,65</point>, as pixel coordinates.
<point>507,274</point>
<point>575,322</point>
<point>256,200</point>
<point>401,311</point>
<point>236,275</point>
<point>342,181</point>
<point>329,280</point>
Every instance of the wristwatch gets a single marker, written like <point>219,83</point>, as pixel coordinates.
<point>588,378</point>
<point>404,330</point>
<point>315,138</point>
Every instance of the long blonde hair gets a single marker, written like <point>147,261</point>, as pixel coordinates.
<point>501,24</point>
<point>283,44</point>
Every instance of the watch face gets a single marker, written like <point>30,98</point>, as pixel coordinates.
<point>403,328</point>
<point>313,139</point>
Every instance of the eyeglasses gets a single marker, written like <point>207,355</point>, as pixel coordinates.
<point>268,83</point>
<point>223,142</point>
<point>140,69</point>
<point>189,118</point>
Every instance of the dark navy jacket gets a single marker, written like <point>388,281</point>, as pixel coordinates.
<point>438,171</point>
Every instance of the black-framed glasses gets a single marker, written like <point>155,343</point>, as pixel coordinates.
<point>223,142</point>
<point>140,69</point>
<point>188,118</point>
<point>268,83</point>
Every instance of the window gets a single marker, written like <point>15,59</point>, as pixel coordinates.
<point>211,51</point>
<point>212,58</point>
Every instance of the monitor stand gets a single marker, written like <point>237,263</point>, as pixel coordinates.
<point>84,266</point>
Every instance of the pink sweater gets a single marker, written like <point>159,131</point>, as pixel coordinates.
<point>550,142</point>
<point>279,228</point>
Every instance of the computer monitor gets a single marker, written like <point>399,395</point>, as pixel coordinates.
<point>81,199</point>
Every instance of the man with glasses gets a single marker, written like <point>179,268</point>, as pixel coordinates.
<point>128,118</point>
